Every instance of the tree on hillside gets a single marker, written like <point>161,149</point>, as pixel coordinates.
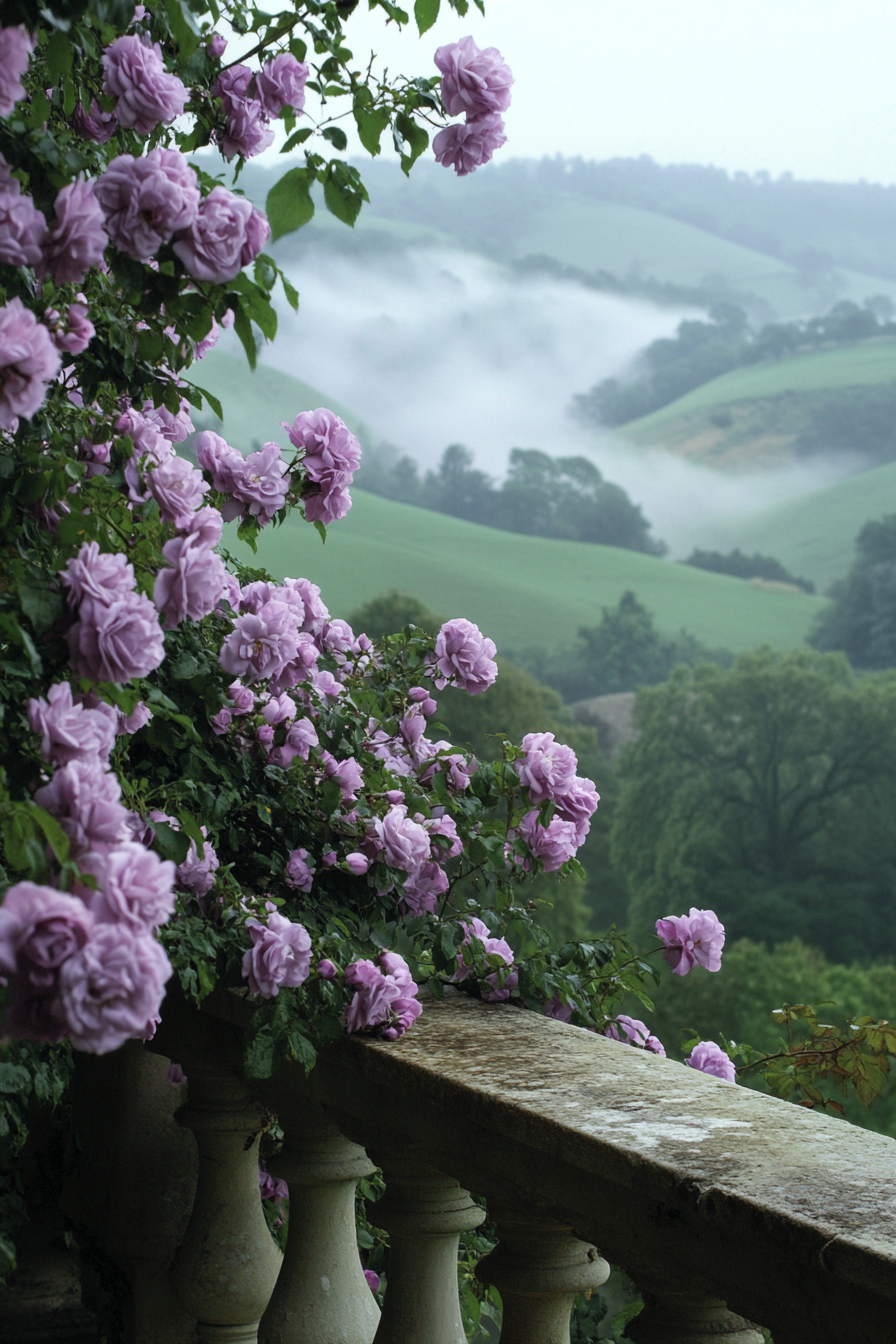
<point>621,653</point>
<point>568,497</point>
<point>542,496</point>
<point>861,620</point>
<point>766,792</point>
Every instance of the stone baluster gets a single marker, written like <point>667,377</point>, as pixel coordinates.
<point>538,1268</point>
<point>424,1213</point>
<point>321,1295</point>
<point>678,1315</point>
<point>227,1264</point>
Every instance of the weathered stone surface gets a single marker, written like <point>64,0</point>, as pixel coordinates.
<point>787,1216</point>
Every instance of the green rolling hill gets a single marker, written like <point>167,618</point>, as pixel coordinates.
<point>815,536</point>
<point>865,362</point>
<point>522,591</point>
<point>766,413</point>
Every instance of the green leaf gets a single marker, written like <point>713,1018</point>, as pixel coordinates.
<point>243,328</point>
<point>336,136</point>
<point>55,836</point>
<point>248,532</point>
<point>184,666</point>
<point>182,29</point>
<point>371,126</point>
<point>191,827</point>
<point>425,12</point>
<point>301,1049</point>
<point>414,136</point>
<point>289,204</point>
<point>171,844</point>
<point>42,607</point>
<point>292,294</point>
<point>58,56</point>
<point>321,530</point>
<point>344,192</point>
<point>258,1060</point>
<point>209,397</point>
<point>14,1078</point>
<point>297,138</point>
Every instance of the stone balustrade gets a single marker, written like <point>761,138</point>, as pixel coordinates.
<point>724,1206</point>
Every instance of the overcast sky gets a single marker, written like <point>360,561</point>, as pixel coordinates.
<point>806,86</point>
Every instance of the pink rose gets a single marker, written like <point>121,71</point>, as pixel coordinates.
<point>78,238</point>
<point>94,125</point>
<point>224,464</point>
<point>134,74</point>
<point>261,646</point>
<point>473,81</point>
<point>217,244</point>
<point>177,487</point>
<point>332,455</point>
<point>405,843</point>
<point>69,731</point>
<point>635,1032</point>
<point>280,955</point>
<point>192,582</point>
<point>710,1058</point>
<point>422,889</point>
<point>493,948</point>
<point>134,886</point>
<point>103,577</point>
<point>22,227</point>
<point>118,641</point>
<point>695,939</point>
<point>553,844</point>
<point>281,83</point>
<point>196,875</point>
<point>73,336</point>
<point>547,768</point>
<point>16,46</point>
<point>112,989</point>
<point>299,873</point>
<point>466,146</point>
<point>465,656</point>
<point>28,362</point>
<point>40,928</point>
<point>385,998</point>
<point>86,800</point>
<point>147,201</point>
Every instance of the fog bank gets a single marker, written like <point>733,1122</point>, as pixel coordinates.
<point>432,347</point>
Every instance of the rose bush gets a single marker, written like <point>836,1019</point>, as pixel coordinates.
<point>207,779</point>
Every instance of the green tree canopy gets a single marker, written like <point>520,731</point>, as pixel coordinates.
<point>622,652</point>
<point>767,793</point>
<point>861,620</point>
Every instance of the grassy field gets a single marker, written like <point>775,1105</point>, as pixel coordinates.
<point>815,536</point>
<point>523,591</point>
<point>865,362</point>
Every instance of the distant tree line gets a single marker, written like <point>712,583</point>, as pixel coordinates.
<point>740,566</point>
<point>701,351</point>
<point>541,496</point>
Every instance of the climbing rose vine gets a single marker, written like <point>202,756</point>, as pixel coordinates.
<point>208,779</point>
